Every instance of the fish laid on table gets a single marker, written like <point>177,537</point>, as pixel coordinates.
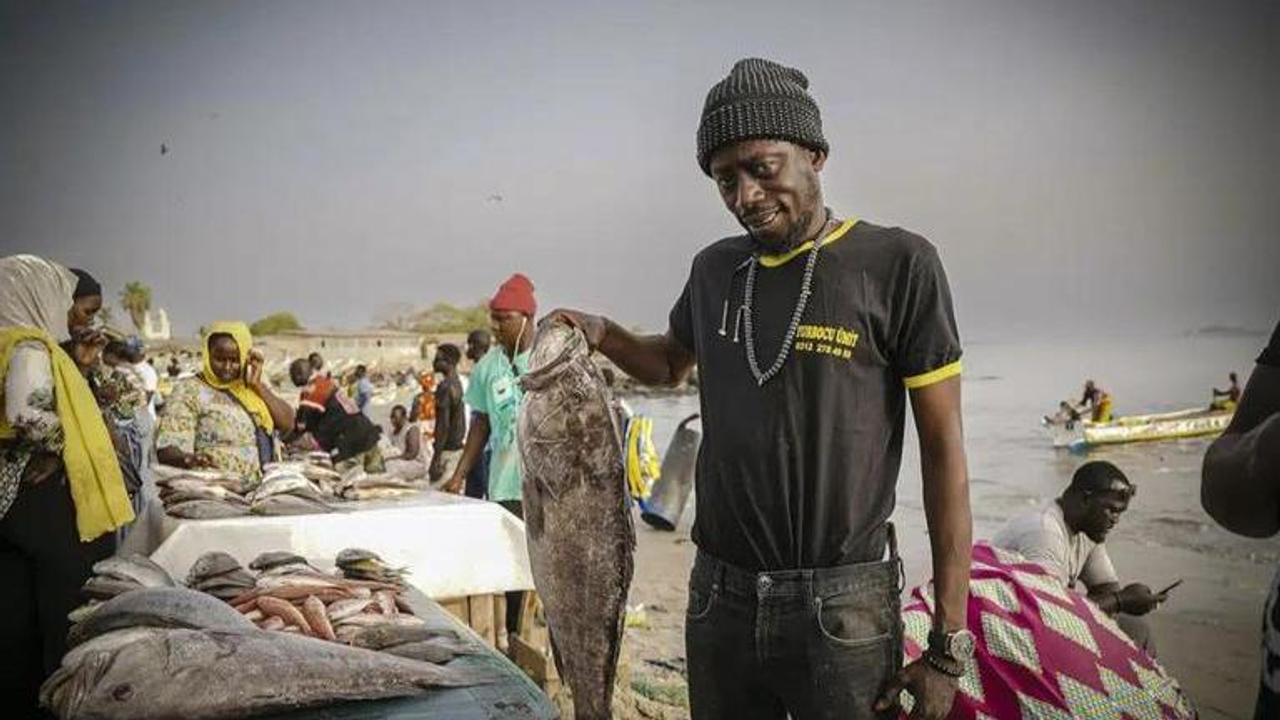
<point>280,485</point>
<point>367,619</point>
<point>277,558</point>
<point>158,607</point>
<point>142,673</point>
<point>175,497</point>
<point>360,564</point>
<point>206,509</point>
<point>381,492</point>
<point>577,521</point>
<point>289,504</point>
<point>134,567</point>
<point>377,637</point>
<point>101,587</point>
<point>437,650</point>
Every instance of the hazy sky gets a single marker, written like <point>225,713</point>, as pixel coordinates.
<point>1106,164</point>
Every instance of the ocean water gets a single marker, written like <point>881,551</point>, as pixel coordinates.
<point>1013,465</point>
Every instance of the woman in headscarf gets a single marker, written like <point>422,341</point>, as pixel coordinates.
<point>61,490</point>
<point>225,417</point>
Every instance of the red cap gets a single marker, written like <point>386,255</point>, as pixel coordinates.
<point>515,294</point>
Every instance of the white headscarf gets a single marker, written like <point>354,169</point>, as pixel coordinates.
<point>37,293</point>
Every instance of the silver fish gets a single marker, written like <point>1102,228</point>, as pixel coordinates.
<point>158,607</point>
<point>281,485</point>
<point>437,650</point>
<point>136,568</point>
<point>209,492</point>
<point>340,609</point>
<point>377,637</point>
<point>101,587</point>
<point>275,558</point>
<point>288,505</point>
<point>578,524</point>
<point>211,564</point>
<point>229,675</point>
<point>205,509</point>
<point>377,619</point>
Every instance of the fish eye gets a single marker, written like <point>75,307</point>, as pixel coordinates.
<point>122,692</point>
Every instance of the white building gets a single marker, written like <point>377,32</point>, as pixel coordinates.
<point>366,346</point>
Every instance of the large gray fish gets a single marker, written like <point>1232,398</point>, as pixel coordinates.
<point>209,674</point>
<point>159,607</point>
<point>577,520</point>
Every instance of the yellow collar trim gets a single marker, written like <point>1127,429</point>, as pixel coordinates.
<point>771,261</point>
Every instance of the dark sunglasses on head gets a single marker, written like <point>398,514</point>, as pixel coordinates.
<point>1123,488</point>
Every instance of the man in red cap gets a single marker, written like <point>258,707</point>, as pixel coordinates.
<point>494,395</point>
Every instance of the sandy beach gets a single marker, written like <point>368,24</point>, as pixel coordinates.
<point>1207,634</point>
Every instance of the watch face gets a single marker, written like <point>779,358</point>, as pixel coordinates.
<point>962,645</point>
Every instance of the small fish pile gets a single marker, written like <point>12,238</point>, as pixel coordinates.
<point>201,494</point>
<point>360,605</point>
<point>287,490</point>
<point>168,652</point>
<point>116,576</point>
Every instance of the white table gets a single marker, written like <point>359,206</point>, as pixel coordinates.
<point>454,546</point>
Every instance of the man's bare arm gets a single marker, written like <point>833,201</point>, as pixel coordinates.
<point>946,496</point>
<point>651,359</point>
<point>1240,482</point>
<point>477,438</point>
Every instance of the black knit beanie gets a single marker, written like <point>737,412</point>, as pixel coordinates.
<point>760,99</point>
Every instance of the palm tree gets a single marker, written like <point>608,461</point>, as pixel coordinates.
<point>136,299</point>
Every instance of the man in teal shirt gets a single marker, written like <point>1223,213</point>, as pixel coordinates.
<point>494,394</point>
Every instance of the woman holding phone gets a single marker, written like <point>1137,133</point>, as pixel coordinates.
<point>225,417</point>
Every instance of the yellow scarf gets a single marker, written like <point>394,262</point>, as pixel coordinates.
<point>93,471</point>
<point>254,404</point>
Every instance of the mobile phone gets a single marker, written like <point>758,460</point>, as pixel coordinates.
<point>1175,584</point>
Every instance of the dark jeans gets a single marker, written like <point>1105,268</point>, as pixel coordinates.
<point>515,598</point>
<point>818,643</point>
<point>43,564</point>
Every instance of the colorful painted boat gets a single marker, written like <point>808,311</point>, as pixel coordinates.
<point>1195,422</point>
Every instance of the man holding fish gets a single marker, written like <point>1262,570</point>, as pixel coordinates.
<point>809,333</point>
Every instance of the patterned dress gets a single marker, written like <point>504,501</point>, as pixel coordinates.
<point>1044,652</point>
<point>199,419</point>
<point>30,409</point>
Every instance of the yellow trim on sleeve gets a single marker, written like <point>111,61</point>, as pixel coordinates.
<point>915,382</point>
<point>771,261</point>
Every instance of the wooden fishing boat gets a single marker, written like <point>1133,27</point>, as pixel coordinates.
<point>1195,422</point>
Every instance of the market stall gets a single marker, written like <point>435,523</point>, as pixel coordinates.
<point>456,546</point>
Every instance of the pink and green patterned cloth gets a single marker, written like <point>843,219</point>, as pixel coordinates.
<point>1044,652</point>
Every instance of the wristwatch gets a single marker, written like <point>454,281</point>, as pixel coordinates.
<point>950,652</point>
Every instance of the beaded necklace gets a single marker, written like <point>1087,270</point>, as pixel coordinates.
<point>788,339</point>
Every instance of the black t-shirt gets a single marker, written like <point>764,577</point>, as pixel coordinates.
<point>1271,355</point>
<point>801,472</point>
